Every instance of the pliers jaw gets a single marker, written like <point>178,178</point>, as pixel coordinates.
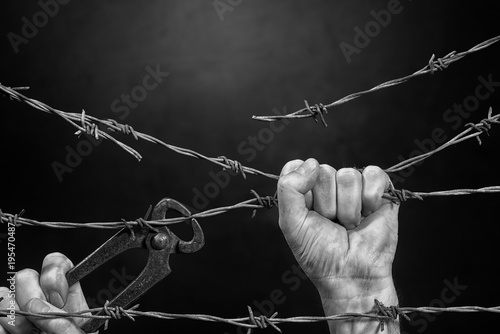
<point>160,212</point>
<point>160,244</point>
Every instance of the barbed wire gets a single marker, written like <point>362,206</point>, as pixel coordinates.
<point>380,312</point>
<point>395,195</point>
<point>432,66</point>
<point>90,125</point>
<point>482,127</point>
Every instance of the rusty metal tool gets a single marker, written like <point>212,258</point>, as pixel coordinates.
<point>159,244</point>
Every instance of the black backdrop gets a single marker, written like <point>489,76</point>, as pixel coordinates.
<point>223,68</point>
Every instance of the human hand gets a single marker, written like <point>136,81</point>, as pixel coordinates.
<point>343,234</point>
<point>45,292</point>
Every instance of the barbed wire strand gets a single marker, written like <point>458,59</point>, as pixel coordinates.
<point>395,195</point>
<point>432,66</point>
<point>89,125</point>
<point>482,127</point>
<point>379,312</point>
<point>259,202</point>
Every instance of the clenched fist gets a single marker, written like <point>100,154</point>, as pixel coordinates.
<point>344,236</point>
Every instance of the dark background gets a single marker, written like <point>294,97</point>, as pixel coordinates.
<point>263,55</point>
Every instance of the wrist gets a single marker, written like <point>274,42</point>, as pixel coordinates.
<point>358,296</point>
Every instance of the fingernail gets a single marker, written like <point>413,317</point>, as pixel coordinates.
<point>37,305</point>
<point>56,299</point>
<point>307,167</point>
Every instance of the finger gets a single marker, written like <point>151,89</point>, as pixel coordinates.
<point>349,187</point>
<point>13,323</point>
<point>53,278</point>
<point>55,325</point>
<point>375,182</point>
<point>55,286</point>
<point>292,188</point>
<point>325,192</point>
<point>379,228</point>
<point>27,287</point>
<point>290,167</point>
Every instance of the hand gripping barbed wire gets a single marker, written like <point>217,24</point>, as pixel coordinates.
<point>433,65</point>
<point>379,312</point>
<point>91,126</point>
<point>258,202</point>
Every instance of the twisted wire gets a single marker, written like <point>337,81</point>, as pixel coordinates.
<point>86,123</point>
<point>90,125</point>
<point>250,322</point>
<point>482,127</point>
<point>432,66</point>
<point>395,195</point>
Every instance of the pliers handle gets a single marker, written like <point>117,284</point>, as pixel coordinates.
<point>159,244</point>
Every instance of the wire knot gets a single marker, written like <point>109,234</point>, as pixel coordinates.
<point>391,312</point>
<point>89,128</point>
<point>267,201</point>
<point>11,219</point>
<point>123,128</point>
<point>440,63</point>
<point>233,165</point>
<point>261,321</point>
<point>318,109</point>
<point>117,312</point>
<point>400,195</point>
<point>144,224</point>
<point>484,125</point>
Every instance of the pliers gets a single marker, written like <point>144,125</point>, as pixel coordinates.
<point>160,243</point>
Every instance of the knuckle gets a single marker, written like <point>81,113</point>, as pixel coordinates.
<point>25,275</point>
<point>373,170</point>
<point>374,174</point>
<point>326,171</point>
<point>290,166</point>
<point>285,182</point>
<point>348,176</point>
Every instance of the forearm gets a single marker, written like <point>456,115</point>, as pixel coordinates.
<point>352,298</point>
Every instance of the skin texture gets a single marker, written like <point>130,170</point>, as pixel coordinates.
<point>344,236</point>
<point>341,231</point>
<point>46,291</point>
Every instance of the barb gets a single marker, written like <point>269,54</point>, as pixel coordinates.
<point>380,313</point>
<point>480,128</point>
<point>93,126</point>
<point>431,67</point>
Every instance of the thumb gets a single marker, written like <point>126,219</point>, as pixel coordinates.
<point>292,188</point>
<point>51,325</point>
